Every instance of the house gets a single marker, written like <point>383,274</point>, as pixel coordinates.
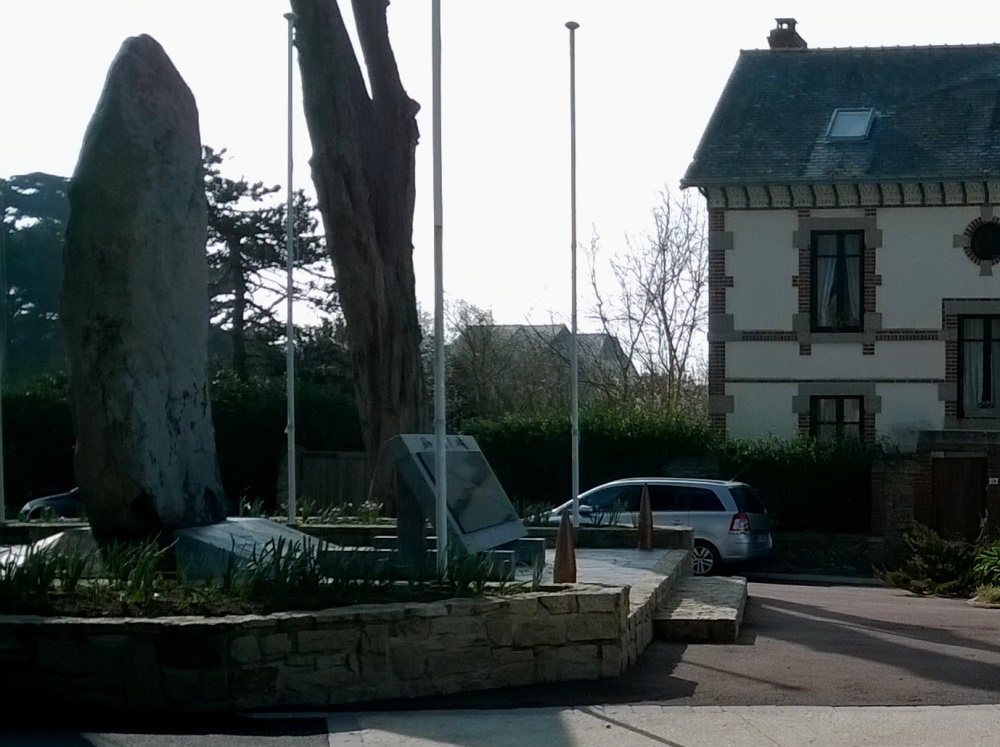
<point>854,218</point>
<point>502,366</point>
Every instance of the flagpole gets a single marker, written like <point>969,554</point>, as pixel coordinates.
<point>289,262</point>
<point>440,432</point>
<point>574,342</point>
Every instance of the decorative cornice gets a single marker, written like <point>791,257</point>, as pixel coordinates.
<point>853,194</point>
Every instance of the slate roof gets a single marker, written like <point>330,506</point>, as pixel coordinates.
<point>937,117</point>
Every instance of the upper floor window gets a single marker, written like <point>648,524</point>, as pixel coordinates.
<point>834,418</point>
<point>979,366</point>
<point>837,279</point>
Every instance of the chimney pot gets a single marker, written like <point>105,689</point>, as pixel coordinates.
<point>784,35</point>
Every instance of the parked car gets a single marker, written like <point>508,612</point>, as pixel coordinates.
<point>729,519</point>
<point>67,505</point>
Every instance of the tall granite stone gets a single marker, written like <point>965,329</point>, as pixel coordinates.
<point>135,305</point>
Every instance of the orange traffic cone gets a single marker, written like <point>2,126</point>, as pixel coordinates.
<point>564,567</point>
<point>645,521</point>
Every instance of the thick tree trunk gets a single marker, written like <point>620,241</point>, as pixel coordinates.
<point>363,168</point>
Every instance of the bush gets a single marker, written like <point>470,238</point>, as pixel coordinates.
<point>987,564</point>
<point>531,454</point>
<point>807,486</point>
<point>935,565</point>
<point>249,419</point>
<point>988,594</point>
<point>38,440</point>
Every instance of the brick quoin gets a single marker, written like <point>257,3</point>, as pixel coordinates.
<point>717,284</point>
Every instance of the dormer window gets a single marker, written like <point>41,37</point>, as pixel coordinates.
<point>850,124</point>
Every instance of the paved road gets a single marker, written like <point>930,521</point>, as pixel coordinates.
<point>802,649</point>
<point>801,645</point>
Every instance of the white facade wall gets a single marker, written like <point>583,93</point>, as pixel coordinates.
<point>762,410</point>
<point>906,410</point>
<point>763,261</point>
<point>919,265</point>
<point>781,360</point>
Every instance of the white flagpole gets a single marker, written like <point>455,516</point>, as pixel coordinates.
<point>574,349</point>
<point>440,433</point>
<point>289,325</point>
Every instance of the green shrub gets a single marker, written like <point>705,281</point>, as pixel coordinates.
<point>987,564</point>
<point>935,565</point>
<point>989,594</point>
<point>807,486</point>
<point>531,454</point>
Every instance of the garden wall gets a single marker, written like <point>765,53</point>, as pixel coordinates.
<point>342,655</point>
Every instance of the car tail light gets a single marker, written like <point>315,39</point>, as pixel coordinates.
<point>740,524</point>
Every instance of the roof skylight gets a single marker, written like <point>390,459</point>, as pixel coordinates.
<point>850,124</point>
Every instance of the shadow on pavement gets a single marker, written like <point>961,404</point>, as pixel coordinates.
<point>918,649</point>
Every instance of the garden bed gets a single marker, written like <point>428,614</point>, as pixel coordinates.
<point>322,658</point>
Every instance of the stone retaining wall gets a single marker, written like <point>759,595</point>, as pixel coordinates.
<point>323,658</point>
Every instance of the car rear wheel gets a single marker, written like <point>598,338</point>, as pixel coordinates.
<point>705,559</point>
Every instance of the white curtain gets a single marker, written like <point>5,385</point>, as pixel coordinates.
<point>852,248</point>
<point>972,375</point>
<point>826,273</point>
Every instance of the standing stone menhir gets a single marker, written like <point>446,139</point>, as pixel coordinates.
<point>135,305</point>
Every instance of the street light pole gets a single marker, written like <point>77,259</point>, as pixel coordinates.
<point>574,342</point>
<point>440,432</point>
<point>289,262</point>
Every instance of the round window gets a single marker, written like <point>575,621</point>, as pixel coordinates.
<point>985,242</point>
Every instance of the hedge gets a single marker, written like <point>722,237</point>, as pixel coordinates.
<point>249,419</point>
<point>807,486</point>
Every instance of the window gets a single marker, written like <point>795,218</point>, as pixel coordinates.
<point>625,497</point>
<point>834,418</point>
<point>850,124</point>
<point>837,281</point>
<point>662,497</point>
<point>979,366</point>
<point>700,499</point>
<point>985,242</point>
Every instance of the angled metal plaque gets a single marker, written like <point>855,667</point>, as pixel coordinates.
<point>480,515</point>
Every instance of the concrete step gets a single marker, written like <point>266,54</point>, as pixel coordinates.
<point>702,609</point>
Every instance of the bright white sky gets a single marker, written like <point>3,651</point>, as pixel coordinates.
<point>648,75</point>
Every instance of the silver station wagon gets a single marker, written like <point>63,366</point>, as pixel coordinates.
<point>729,520</point>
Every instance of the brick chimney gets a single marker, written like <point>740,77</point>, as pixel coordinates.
<point>784,35</point>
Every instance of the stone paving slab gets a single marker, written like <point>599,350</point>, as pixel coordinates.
<point>703,609</point>
<point>677,726</point>
<point>644,571</point>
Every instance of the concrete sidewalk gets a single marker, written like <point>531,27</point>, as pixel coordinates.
<point>675,726</point>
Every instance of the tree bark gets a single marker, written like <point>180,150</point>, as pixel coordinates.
<point>363,169</point>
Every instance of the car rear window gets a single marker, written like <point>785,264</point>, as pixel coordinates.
<point>700,499</point>
<point>748,500</point>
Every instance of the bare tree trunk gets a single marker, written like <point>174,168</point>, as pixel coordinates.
<point>239,309</point>
<point>363,169</point>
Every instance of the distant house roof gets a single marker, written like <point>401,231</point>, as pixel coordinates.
<point>935,116</point>
<point>593,347</point>
<point>544,332</point>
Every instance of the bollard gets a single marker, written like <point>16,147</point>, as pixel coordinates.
<point>645,521</point>
<point>564,567</point>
